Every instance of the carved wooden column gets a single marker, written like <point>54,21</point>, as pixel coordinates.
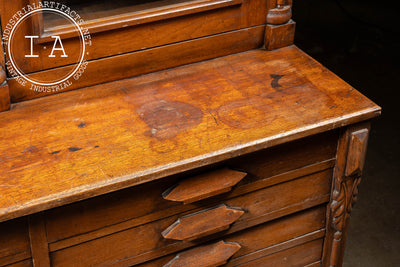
<point>4,92</point>
<point>280,28</point>
<point>346,178</point>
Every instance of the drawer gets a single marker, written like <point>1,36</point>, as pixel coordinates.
<point>277,236</point>
<point>145,203</point>
<point>24,263</point>
<point>145,242</point>
<point>308,254</point>
<point>14,242</point>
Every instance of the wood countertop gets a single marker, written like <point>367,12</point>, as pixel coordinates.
<point>79,144</point>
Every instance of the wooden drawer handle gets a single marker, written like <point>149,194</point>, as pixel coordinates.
<point>203,223</point>
<point>215,254</point>
<point>204,185</point>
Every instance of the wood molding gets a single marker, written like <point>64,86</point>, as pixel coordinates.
<point>346,178</point>
<point>280,28</point>
<point>281,12</point>
<point>277,36</point>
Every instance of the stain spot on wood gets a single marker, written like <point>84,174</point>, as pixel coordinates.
<point>96,146</point>
<point>166,119</point>
<point>166,146</point>
<point>245,114</point>
<point>73,149</point>
<point>31,149</point>
<point>55,152</point>
<point>305,106</point>
<point>82,125</point>
<point>275,80</point>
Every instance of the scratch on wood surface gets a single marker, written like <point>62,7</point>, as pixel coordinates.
<point>215,119</point>
<point>101,169</point>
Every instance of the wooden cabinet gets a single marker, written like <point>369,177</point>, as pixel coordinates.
<point>131,37</point>
<point>249,156</point>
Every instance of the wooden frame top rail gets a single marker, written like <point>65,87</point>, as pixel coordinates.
<point>101,21</point>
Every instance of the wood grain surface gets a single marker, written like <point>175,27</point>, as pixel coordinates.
<point>167,29</point>
<point>147,60</point>
<point>299,256</point>
<point>14,241</point>
<point>80,144</point>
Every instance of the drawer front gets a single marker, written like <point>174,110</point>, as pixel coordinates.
<point>278,235</point>
<point>14,242</point>
<point>145,242</point>
<point>24,263</point>
<point>303,255</point>
<point>145,203</point>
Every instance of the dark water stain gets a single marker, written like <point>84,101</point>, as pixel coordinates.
<point>55,152</point>
<point>275,80</point>
<point>31,149</point>
<point>73,149</point>
<point>82,125</point>
<point>166,119</point>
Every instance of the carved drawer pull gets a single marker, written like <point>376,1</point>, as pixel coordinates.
<point>204,185</point>
<point>203,223</point>
<point>215,254</point>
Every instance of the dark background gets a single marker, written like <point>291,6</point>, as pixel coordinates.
<point>358,40</point>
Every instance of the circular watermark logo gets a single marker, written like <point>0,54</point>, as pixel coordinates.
<point>52,45</point>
